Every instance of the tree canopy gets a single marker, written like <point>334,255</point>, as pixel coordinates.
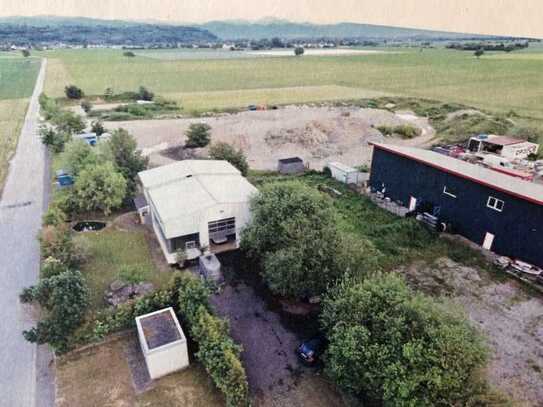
<point>294,234</point>
<point>127,157</point>
<point>399,348</point>
<point>224,151</point>
<point>99,187</point>
<point>73,92</point>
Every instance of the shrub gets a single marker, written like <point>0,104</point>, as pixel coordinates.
<point>57,242</point>
<point>99,187</point>
<point>25,53</point>
<point>98,127</point>
<point>68,123</point>
<point>54,216</point>
<point>397,347</point>
<point>145,94</point>
<point>216,350</point>
<point>86,106</point>
<point>299,51</point>
<point>52,267</point>
<point>224,151</point>
<point>198,135</point>
<point>129,54</point>
<point>49,107</point>
<point>405,131</point>
<point>54,140</point>
<point>65,296</point>
<point>73,92</point>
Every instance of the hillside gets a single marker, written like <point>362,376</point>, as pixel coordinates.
<point>49,30</point>
<point>269,28</point>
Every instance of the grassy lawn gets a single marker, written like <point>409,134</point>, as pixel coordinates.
<point>493,82</point>
<point>101,377</point>
<point>111,249</point>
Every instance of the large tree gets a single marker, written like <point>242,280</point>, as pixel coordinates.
<point>99,187</point>
<point>127,157</point>
<point>399,348</point>
<point>293,233</point>
<point>77,155</point>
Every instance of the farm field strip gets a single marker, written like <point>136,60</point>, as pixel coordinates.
<point>201,101</point>
<point>496,82</point>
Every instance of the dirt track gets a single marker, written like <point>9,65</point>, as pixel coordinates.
<point>316,134</point>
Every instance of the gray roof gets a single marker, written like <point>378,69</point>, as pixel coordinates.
<point>505,183</point>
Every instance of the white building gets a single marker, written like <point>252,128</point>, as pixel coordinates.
<point>347,175</point>
<point>504,146</point>
<point>196,205</point>
<point>162,342</point>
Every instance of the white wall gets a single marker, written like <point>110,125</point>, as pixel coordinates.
<point>240,211</point>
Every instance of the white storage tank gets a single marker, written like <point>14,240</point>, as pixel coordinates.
<point>162,342</point>
<point>210,268</point>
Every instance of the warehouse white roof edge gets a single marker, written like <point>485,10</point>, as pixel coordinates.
<point>182,190</point>
<point>493,179</point>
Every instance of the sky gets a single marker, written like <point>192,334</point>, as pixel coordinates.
<point>501,17</point>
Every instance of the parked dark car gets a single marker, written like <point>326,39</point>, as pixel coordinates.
<point>309,351</point>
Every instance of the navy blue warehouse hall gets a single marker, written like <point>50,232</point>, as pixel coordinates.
<point>497,211</point>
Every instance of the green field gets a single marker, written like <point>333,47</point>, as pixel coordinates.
<point>495,82</point>
<point>17,78</point>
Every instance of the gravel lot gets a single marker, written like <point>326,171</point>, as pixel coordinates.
<point>275,376</point>
<point>510,317</point>
<point>316,134</point>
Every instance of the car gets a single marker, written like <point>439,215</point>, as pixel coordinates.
<point>309,351</point>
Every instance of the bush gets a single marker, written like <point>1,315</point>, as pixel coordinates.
<point>99,187</point>
<point>68,123</point>
<point>52,267</point>
<point>397,347</point>
<point>98,127</point>
<point>65,297</point>
<point>198,135</point>
<point>405,131</point>
<point>86,106</point>
<point>49,107</point>
<point>145,94</point>
<point>73,92</point>
<point>224,151</point>
<point>129,54</point>
<point>299,51</point>
<point>53,140</point>
<point>57,242</point>
<point>54,216</point>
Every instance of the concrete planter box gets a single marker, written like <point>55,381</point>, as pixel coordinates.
<point>162,342</point>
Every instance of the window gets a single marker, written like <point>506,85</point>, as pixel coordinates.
<point>190,245</point>
<point>449,191</point>
<point>495,203</point>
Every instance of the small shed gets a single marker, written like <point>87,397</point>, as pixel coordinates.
<point>142,207</point>
<point>292,165</point>
<point>209,267</point>
<point>346,174</point>
<point>162,342</point>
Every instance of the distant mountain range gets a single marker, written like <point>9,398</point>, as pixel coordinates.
<point>269,28</point>
<point>24,30</point>
<point>75,31</point>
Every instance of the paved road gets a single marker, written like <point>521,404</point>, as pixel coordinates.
<point>21,208</point>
